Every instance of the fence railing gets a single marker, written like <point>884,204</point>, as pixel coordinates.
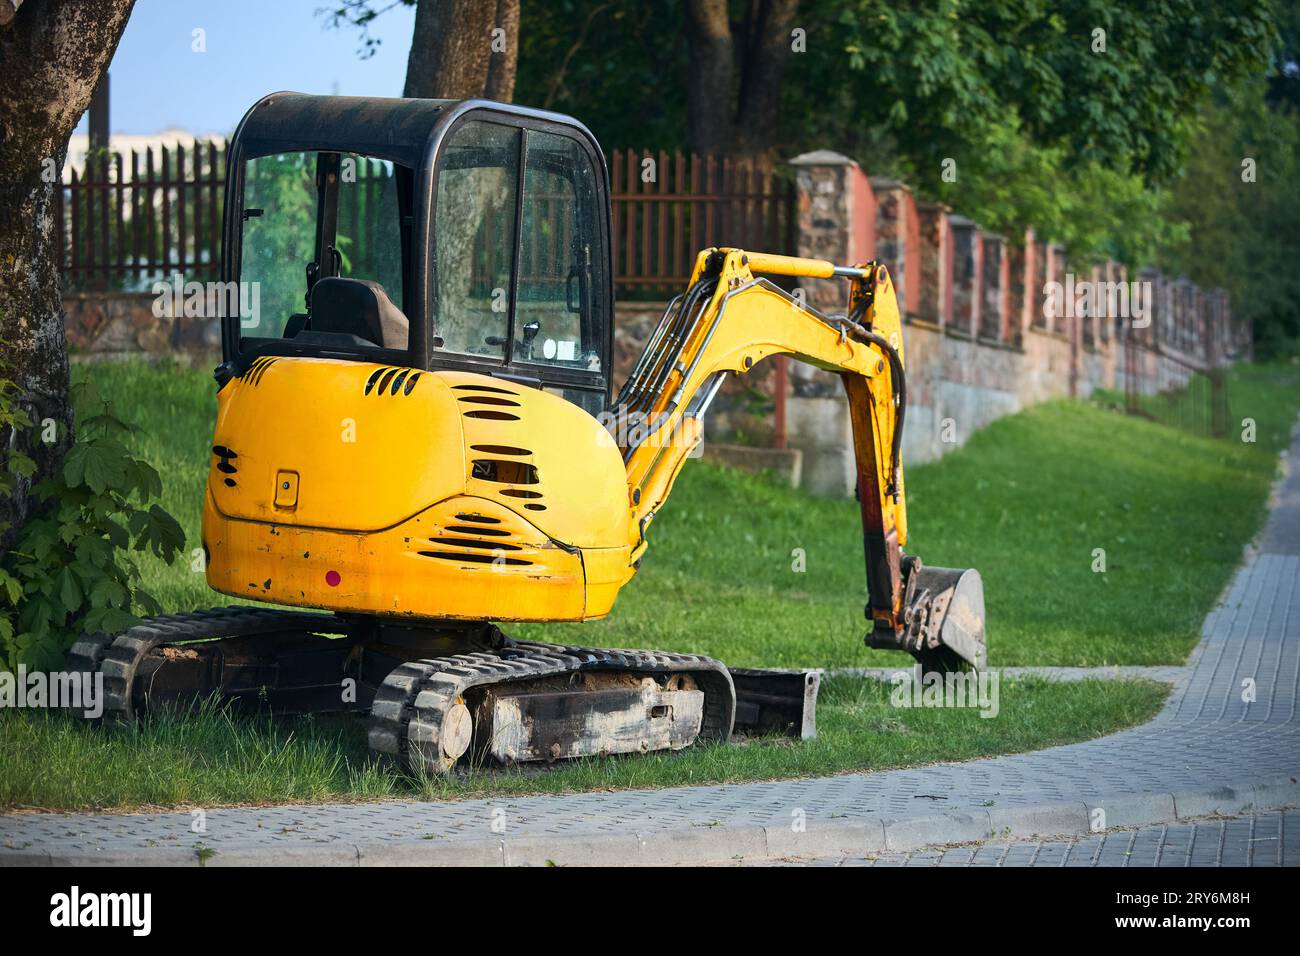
<point>1181,391</point>
<point>127,220</point>
<point>667,207</point>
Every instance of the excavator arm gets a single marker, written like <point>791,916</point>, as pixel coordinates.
<point>730,318</point>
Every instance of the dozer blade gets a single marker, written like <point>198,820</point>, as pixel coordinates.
<point>776,702</point>
<point>956,618</point>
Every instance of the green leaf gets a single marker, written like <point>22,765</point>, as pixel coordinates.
<point>13,588</point>
<point>96,464</point>
<point>69,590</point>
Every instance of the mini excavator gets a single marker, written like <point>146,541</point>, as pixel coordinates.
<point>417,441</point>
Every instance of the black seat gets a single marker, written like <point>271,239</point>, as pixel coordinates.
<point>358,307</point>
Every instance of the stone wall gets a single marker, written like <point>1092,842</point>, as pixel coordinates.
<point>118,324</point>
<point>982,339</point>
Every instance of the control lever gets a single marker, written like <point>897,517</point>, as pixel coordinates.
<point>530,333</point>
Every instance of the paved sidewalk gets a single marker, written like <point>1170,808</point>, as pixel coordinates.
<point>1258,839</point>
<point>1165,674</point>
<point>1209,751</point>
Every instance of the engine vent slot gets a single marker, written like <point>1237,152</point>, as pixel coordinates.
<point>535,507</point>
<point>492,415</point>
<point>481,519</point>
<point>520,493</point>
<point>258,369</point>
<point>389,379</point>
<point>484,388</point>
<point>474,558</point>
<point>495,532</point>
<point>505,472</point>
<point>224,466</point>
<point>488,400</point>
<point>471,543</point>
<point>501,449</point>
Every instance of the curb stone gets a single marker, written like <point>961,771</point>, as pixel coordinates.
<point>723,843</point>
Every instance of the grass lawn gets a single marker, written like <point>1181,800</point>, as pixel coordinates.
<point>1027,501</point>
<point>207,759</point>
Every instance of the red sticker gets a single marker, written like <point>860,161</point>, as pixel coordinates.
<point>332,578</point>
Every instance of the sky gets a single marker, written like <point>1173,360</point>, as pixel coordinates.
<point>254,47</point>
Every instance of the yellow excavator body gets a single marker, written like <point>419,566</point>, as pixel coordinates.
<point>445,495</point>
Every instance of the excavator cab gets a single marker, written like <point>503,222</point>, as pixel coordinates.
<point>469,236</point>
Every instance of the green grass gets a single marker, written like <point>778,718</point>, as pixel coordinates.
<point>1026,501</point>
<point>206,759</point>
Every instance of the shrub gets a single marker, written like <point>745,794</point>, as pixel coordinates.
<point>70,569</point>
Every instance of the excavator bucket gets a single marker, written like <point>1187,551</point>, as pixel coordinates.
<point>956,618</point>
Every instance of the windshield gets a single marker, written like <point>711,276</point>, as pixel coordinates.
<point>519,279</point>
<point>313,215</point>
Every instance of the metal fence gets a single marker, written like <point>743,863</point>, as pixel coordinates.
<point>1179,390</point>
<point>126,221</point>
<point>667,207</point>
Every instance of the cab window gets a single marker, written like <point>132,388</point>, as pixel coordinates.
<point>474,238</point>
<point>520,271</point>
<point>556,321</point>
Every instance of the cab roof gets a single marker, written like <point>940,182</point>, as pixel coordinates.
<point>394,128</point>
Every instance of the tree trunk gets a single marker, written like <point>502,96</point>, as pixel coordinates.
<point>767,48</point>
<point>457,54</point>
<point>52,56</point>
<point>710,93</point>
<point>734,101</point>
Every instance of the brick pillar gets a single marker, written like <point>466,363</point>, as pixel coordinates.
<point>836,210</point>
<point>936,264</point>
<point>995,283</point>
<point>837,220</point>
<point>1042,275</point>
<point>1089,322</point>
<point>967,274</point>
<point>898,240</point>
<point>1057,268</point>
<point>1106,315</point>
<point>1023,297</point>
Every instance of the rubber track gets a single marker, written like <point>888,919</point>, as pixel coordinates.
<point>411,703</point>
<point>118,656</point>
<point>413,699</point>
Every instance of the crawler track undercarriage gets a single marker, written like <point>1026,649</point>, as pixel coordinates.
<point>445,694</point>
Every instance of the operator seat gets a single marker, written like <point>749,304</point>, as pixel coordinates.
<point>358,307</point>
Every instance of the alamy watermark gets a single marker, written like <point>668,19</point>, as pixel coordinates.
<point>58,690</point>
<point>974,689</point>
<point>176,298</point>
<point>1086,298</point>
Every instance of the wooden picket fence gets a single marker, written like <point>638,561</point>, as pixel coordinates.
<point>125,221</point>
<point>667,207</point>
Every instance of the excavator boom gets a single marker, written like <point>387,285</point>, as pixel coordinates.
<point>732,317</point>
